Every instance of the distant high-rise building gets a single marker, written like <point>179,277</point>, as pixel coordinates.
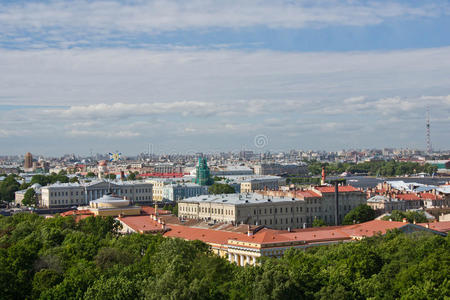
<point>28,161</point>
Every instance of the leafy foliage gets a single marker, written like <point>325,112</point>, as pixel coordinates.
<point>30,197</point>
<point>221,188</point>
<point>318,223</point>
<point>8,187</point>
<point>361,213</point>
<point>172,208</point>
<point>49,179</point>
<point>383,168</point>
<point>58,258</point>
<point>410,216</point>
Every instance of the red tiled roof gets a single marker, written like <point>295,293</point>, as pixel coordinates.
<point>77,212</point>
<point>272,236</point>
<point>409,197</point>
<point>142,223</point>
<point>204,235</point>
<point>443,226</point>
<point>341,189</point>
<point>430,196</point>
<point>372,228</point>
<point>163,175</point>
<point>307,194</point>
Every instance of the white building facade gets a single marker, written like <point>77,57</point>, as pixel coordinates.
<point>70,194</point>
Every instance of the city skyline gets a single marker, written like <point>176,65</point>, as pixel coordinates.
<point>209,77</point>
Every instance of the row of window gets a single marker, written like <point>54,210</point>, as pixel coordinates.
<point>76,193</point>
<point>313,209</point>
<point>259,211</point>
<point>298,220</point>
<point>66,201</point>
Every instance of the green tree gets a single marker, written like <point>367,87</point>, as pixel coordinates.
<point>111,176</point>
<point>8,187</point>
<point>361,213</point>
<point>29,198</point>
<point>410,216</point>
<point>74,179</point>
<point>221,188</point>
<point>44,280</point>
<point>90,174</point>
<point>318,222</point>
<point>131,176</point>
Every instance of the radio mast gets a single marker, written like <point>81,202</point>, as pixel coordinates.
<point>429,148</point>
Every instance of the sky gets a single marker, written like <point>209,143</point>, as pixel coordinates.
<point>212,76</point>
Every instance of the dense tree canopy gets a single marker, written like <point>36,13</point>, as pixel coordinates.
<point>361,213</point>
<point>111,176</point>
<point>319,223</point>
<point>221,188</point>
<point>381,168</point>
<point>29,197</point>
<point>49,179</point>
<point>172,208</point>
<point>58,258</point>
<point>410,216</point>
<point>8,187</point>
<point>131,176</point>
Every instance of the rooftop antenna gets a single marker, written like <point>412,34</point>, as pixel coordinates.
<point>429,148</point>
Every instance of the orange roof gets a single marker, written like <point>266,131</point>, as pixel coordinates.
<point>443,226</point>
<point>142,223</point>
<point>307,194</point>
<point>204,235</point>
<point>341,188</point>
<point>77,212</point>
<point>430,196</point>
<point>372,228</point>
<point>409,197</point>
<point>272,236</point>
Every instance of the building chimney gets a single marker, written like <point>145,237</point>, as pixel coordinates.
<point>249,232</point>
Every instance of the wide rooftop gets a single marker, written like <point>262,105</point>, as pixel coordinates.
<point>236,199</point>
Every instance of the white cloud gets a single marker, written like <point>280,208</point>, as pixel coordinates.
<point>112,133</point>
<point>179,97</point>
<point>103,19</point>
<point>211,78</point>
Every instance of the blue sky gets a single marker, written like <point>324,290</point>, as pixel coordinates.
<point>190,76</point>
